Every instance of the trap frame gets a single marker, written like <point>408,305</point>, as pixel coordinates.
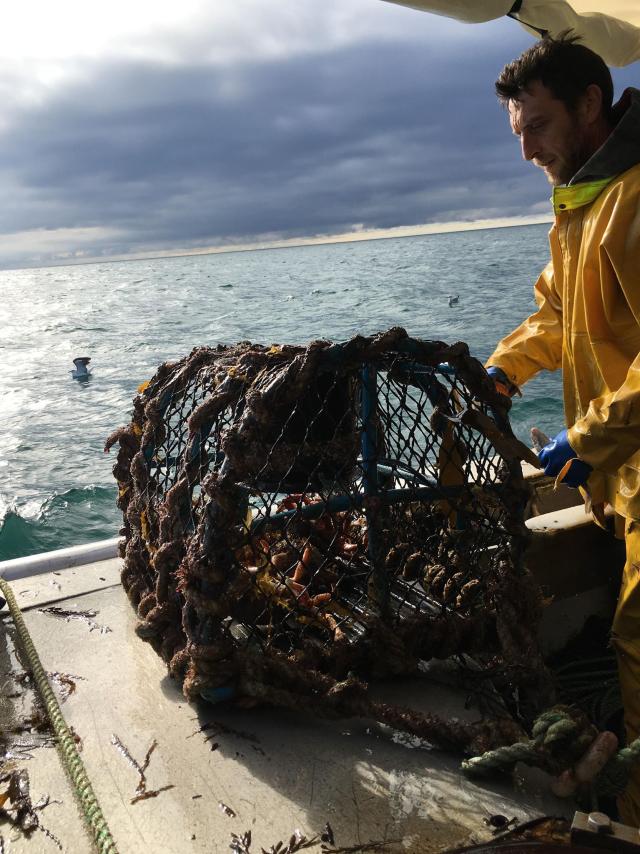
<point>297,519</point>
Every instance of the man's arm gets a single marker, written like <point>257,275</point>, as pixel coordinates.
<point>537,343</point>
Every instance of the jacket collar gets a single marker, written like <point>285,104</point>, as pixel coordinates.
<point>571,196</point>
<point>619,152</point>
<point>621,149</point>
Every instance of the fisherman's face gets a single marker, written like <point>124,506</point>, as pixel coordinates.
<point>550,136</point>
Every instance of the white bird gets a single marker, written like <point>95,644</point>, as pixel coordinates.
<point>81,372</point>
<point>453,300</point>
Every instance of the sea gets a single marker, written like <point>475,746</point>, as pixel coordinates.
<point>56,486</point>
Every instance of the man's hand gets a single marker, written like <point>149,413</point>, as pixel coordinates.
<point>560,460</point>
<point>502,382</point>
<point>588,766</point>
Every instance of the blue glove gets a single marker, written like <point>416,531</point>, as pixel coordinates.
<point>556,454</point>
<point>502,382</point>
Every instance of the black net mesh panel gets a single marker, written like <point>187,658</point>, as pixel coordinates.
<point>328,510</point>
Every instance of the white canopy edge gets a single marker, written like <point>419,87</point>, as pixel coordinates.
<point>614,34</point>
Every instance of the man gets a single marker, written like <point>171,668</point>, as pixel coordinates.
<point>559,98</point>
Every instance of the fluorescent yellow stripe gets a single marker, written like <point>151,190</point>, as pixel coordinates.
<point>577,195</point>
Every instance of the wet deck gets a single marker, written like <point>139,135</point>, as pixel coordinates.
<point>275,770</point>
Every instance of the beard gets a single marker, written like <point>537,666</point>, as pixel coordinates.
<point>572,159</point>
<point>564,171</point>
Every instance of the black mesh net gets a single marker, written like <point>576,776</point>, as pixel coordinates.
<point>300,518</point>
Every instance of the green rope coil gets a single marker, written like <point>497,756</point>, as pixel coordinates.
<point>614,776</point>
<point>560,737</point>
<point>501,759</point>
<point>69,752</point>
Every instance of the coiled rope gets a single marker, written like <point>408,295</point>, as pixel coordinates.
<point>69,753</point>
<point>560,737</point>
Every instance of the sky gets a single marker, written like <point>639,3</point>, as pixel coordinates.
<point>147,128</point>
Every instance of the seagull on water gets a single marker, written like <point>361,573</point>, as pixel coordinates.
<point>80,372</point>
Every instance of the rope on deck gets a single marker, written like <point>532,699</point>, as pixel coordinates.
<point>69,753</point>
<point>560,738</point>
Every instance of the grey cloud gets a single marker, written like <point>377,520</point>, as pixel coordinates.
<point>378,134</point>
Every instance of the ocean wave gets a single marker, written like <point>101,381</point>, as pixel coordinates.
<point>74,516</point>
<point>78,495</point>
<point>19,537</point>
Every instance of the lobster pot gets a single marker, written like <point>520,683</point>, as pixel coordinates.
<point>329,509</point>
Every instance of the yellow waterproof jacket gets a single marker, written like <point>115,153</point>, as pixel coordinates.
<point>588,317</point>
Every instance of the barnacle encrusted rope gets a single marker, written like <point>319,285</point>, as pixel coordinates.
<point>328,509</point>
<point>69,753</point>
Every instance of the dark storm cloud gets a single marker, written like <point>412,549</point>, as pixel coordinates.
<point>380,134</point>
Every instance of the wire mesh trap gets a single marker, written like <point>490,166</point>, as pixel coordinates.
<point>298,519</point>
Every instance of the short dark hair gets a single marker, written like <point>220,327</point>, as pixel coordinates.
<point>565,67</point>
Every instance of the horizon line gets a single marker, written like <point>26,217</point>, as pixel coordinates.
<point>395,232</point>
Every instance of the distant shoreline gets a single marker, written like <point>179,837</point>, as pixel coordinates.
<point>396,233</point>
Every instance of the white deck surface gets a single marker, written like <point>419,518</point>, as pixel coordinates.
<point>276,770</point>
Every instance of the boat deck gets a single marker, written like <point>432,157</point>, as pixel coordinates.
<point>231,770</point>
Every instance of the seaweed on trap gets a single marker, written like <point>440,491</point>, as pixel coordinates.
<point>299,519</point>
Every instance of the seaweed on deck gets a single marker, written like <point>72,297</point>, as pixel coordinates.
<point>142,793</point>
<point>17,807</point>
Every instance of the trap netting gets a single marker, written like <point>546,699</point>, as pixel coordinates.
<point>297,517</point>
